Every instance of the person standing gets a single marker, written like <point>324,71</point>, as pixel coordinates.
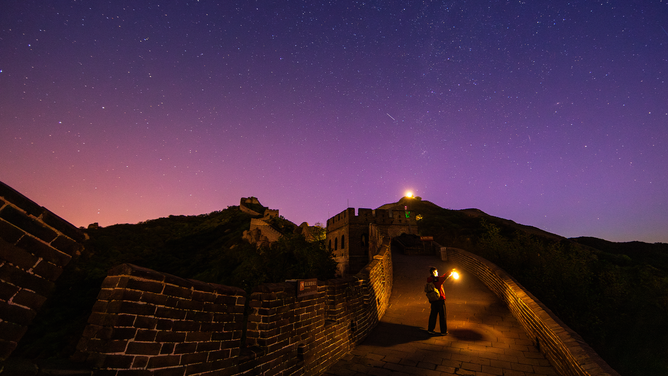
<point>438,304</point>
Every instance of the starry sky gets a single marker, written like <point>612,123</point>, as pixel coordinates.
<point>553,114</point>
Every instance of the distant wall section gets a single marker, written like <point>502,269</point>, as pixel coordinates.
<point>35,247</point>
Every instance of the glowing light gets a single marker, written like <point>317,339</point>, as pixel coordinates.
<point>455,275</point>
<point>409,194</point>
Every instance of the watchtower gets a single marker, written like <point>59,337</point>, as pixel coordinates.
<point>348,235</point>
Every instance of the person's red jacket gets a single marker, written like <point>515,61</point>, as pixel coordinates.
<point>438,283</point>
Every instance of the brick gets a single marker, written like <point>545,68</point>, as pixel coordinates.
<point>167,348</point>
<point>6,348</point>
<point>208,346</point>
<point>199,316</point>
<point>146,322</point>
<point>63,226</point>
<point>163,361</point>
<point>153,298</point>
<point>17,256</point>
<point>178,292</point>
<point>11,331</point>
<point>194,358</point>
<point>47,270</point>
<point>7,290</point>
<point>27,224</point>
<point>29,299</point>
<point>164,324</point>
<point>16,314</point>
<point>175,371</point>
<point>114,282</point>
<point>123,333</point>
<point>141,362</point>
<point>145,335</point>
<point>186,326</point>
<point>198,336</point>
<point>170,313</point>
<point>124,372</point>
<point>185,347</point>
<point>136,308</point>
<point>190,305</point>
<point>10,233</point>
<point>151,286</point>
<point>43,250</point>
<point>170,336</point>
<point>143,348</point>
<point>117,361</point>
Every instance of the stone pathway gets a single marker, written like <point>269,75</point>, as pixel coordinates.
<point>484,340</point>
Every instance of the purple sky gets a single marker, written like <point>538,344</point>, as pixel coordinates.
<point>549,113</point>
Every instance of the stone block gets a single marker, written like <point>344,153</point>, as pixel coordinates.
<point>116,361</point>
<point>10,233</point>
<point>17,256</point>
<point>170,313</point>
<point>63,226</point>
<point>11,331</point>
<point>143,348</point>
<point>177,291</point>
<point>136,308</point>
<point>167,348</point>
<point>185,347</point>
<point>164,361</point>
<point>6,348</point>
<point>186,326</point>
<point>28,224</point>
<point>146,322</point>
<point>151,286</point>
<point>198,336</point>
<point>16,314</point>
<point>47,270</point>
<point>7,290</point>
<point>41,249</point>
<point>153,298</point>
<point>144,335</point>
<point>29,299</point>
<point>170,336</point>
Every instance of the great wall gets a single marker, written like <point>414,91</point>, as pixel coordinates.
<point>150,323</point>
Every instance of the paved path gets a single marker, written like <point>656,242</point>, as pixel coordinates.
<point>485,339</point>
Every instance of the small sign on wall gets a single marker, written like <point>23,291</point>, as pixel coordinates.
<point>306,287</point>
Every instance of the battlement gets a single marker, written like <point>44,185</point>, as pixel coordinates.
<point>366,216</point>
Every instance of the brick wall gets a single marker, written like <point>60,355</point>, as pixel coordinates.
<point>151,323</point>
<point>565,349</point>
<point>35,247</point>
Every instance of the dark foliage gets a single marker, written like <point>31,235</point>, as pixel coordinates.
<point>206,247</point>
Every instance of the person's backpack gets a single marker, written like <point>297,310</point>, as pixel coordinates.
<point>432,292</point>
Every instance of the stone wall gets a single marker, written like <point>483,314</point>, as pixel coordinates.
<point>35,247</point>
<point>151,323</point>
<point>565,349</point>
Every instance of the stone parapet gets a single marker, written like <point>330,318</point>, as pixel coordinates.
<point>35,247</point>
<point>151,323</point>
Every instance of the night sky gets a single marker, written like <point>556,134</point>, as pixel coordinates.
<point>549,113</point>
